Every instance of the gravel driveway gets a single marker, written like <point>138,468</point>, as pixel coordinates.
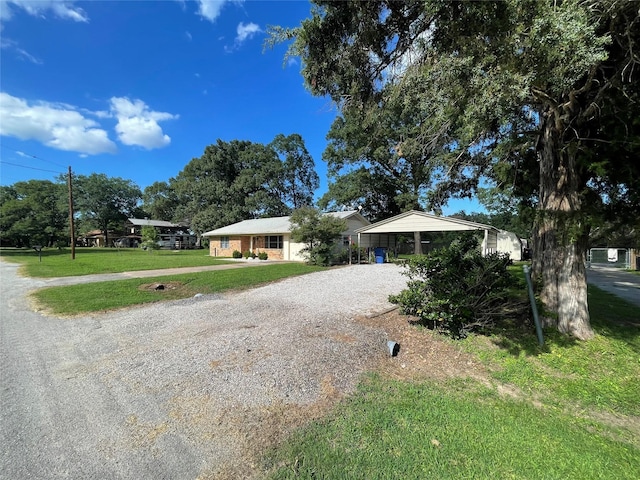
<point>180,390</point>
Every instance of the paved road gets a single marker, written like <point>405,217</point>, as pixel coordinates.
<point>613,280</point>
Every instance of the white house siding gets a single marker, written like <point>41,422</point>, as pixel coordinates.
<point>293,250</point>
<point>508,242</point>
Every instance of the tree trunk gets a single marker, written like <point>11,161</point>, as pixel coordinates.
<point>561,239</point>
<point>106,234</point>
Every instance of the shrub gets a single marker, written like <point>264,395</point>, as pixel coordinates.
<point>455,289</point>
<point>318,232</point>
<point>246,254</point>
<point>263,255</point>
<point>236,254</point>
<point>150,238</point>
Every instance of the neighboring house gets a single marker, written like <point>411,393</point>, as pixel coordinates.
<point>273,236</point>
<point>170,235</point>
<point>94,238</point>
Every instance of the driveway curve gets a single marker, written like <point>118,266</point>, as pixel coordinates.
<point>183,389</point>
<point>624,284</point>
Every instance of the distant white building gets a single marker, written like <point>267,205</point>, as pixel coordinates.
<point>509,242</point>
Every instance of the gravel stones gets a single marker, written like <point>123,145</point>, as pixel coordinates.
<point>194,388</point>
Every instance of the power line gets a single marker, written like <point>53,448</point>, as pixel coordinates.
<point>20,152</point>
<point>31,168</point>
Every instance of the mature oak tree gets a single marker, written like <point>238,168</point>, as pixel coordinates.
<point>105,202</point>
<point>237,180</point>
<point>565,71</point>
<point>34,212</point>
<point>159,201</point>
<point>298,179</point>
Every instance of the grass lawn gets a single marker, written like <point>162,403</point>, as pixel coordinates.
<point>94,297</point>
<point>58,263</point>
<point>573,413</point>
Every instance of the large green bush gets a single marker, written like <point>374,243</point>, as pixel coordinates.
<point>455,289</point>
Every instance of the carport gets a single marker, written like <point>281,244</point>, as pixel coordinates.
<point>382,234</point>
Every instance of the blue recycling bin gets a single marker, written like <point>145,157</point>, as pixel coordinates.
<point>380,254</point>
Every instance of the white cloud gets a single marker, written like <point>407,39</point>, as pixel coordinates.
<point>65,10</point>
<point>138,125</point>
<point>188,35</point>
<point>7,44</point>
<point>210,9</point>
<point>246,32</point>
<point>56,125</point>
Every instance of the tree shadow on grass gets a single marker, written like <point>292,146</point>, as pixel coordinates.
<point>611,317</point>
<point>520,339</point>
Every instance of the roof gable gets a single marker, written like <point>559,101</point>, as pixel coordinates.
<point>415,221</point>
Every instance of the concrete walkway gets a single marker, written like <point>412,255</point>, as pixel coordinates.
<point>624,284</point>
<point>105,277</point>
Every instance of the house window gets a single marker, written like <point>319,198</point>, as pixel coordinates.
<point>273,241</point>
<point>224,242</point>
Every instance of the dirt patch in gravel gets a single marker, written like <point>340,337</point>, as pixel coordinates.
<point>423,355</point>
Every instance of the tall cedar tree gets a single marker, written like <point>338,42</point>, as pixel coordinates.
<point>545,92</point>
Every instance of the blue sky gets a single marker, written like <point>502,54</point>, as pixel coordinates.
<point>136,89</point>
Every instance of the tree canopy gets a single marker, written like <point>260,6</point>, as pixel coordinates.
<point>34,212</point>
<point>105,202</point>
<point>237,180</point>
<point>160,201</point>
<point>540,97</point>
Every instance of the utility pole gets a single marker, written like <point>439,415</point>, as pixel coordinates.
<point>71,226</point>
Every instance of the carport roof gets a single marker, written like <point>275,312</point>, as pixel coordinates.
<point>415,221</point>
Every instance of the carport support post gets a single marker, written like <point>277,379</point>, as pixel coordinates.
<point>417,243</point>
<point>486,242</point>
<point>359,248</point>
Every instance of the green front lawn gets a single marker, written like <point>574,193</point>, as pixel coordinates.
<point>101,296</point>
<point>58,263</point>
<point>573,411</point>
<point>457,430</point>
